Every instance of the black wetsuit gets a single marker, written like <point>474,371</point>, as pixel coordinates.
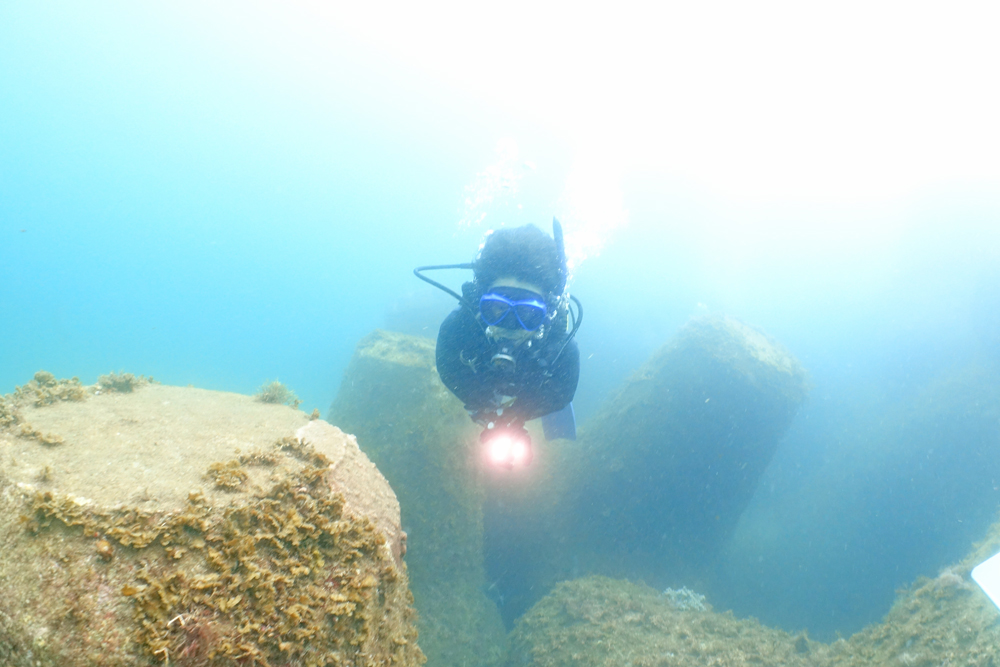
<point>539,386</point>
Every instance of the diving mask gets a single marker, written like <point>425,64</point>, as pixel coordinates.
<point>510,307</point>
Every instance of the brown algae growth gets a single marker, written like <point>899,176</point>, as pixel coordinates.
<point>262,564</point>
<point>123,383</point>
<point>278,393</point>
<point>259,589</point>
<point>43,389</point>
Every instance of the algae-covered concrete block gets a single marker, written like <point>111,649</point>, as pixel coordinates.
<point>420,437</point>
<point>671,461</point>
<point>600,621</point>
<point>659,477</point>
<point>944,620</point>
<point>179,526</point>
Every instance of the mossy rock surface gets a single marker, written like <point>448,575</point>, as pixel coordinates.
<point>421,438</point>
<point>195,527</point>
<point>944,620</point>
<point>686,438</point>
<point>600,621</point>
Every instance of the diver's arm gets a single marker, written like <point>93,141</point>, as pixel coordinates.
<point>566,376</point>
<point>554,392</point>
<point>460,361</point>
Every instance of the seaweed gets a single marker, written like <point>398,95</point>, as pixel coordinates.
<point>278,393</point>
<point>123,383</point>
<point>259,457</point>
<point>9,413</point>
<point>27,431</point>
<point>229,476</point>
<point>44,389</point>
<point>284,578</point>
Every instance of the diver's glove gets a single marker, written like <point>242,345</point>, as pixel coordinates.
<point>482,417</point>
<point>500,412</point>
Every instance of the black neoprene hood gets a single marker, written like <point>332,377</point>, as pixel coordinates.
<point>525,253</point>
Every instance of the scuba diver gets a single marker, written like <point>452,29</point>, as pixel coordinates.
<point>508,351</point>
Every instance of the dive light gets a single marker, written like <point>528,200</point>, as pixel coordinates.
<point>506,445</point>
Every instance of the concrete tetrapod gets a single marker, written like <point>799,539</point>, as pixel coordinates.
<point>658,478</point>
<point>420,437</point>
<point>179,526</point>
<point>944,620</point>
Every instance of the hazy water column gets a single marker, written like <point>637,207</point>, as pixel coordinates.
<point>212,198</point>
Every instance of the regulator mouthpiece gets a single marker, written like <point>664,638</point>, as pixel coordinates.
<point>504,362</point>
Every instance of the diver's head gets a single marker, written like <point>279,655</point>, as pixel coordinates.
<point>523,254</point>
<point>520,280</point>
<point>515,314</point>
<point>512,281</point>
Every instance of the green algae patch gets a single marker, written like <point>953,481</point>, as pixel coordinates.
<point>297,563</point>
<point>600,621</point>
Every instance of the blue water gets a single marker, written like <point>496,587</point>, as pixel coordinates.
<point>224,196</point>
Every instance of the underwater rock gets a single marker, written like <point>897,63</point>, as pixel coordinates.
<point>669,463</point>
<point>600,621</point>
<point>658,479</point>
<point>945,620</point>
<point>422,440</point>
<point>189,527</point>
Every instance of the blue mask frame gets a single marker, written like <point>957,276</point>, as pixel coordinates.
<point>495,308</point>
